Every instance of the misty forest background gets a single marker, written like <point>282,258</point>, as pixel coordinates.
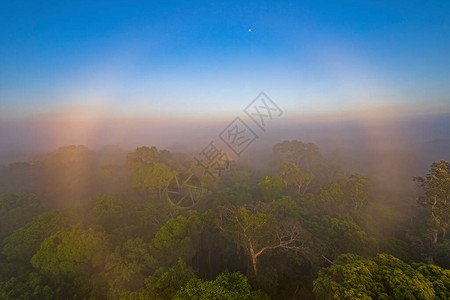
<point>295,222</point>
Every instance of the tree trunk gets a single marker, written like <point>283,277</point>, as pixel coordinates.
<point>306,188</point>
<point>252,253</point>
<point>299,188</point>
<point>430,258</point>
<point>254,265</point>
<point>435,237</point>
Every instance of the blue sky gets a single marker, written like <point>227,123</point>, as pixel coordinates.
<point>173,57</point>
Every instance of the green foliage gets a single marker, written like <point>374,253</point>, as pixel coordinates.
<point>165,283</point>
<point>30,287</point>
<point>331,196</point>
<point>20,246</point>
<point>73,261</point>
<point>430,242</point>
<point>436,187</point>
<point>394,247</point>
<point>337,236</point>
<point>239,194</point>
<point>226,286</point>
<point>110,212</point>
<point>127,267</point>
<point>283,208</point>
<point>178,238</point>
<point>245,228</point>
<point>271,187</point>
<point>16,211</point>
<point>440,278</point>
<point>142,156</point>
<point>258,232</point>
<point>382,277</point>
<point>18,249</point>
<point>308,204</point>
<point>152,179</point>
<point>295,178</point>
<point>357,190</point>
<point>280,230</point>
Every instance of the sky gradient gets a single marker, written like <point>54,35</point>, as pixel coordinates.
<point>173,58</point>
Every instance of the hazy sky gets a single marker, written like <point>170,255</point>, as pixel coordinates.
<point>160,58</point>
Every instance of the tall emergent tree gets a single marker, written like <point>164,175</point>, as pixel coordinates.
<point>258,232</point>
<point>292,176</point>
<point>436,187</point>
<point>357,190</point>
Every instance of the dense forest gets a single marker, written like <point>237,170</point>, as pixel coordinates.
<point>150,224</point>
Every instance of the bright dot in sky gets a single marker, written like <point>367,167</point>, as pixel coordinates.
<point>249,30</point>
